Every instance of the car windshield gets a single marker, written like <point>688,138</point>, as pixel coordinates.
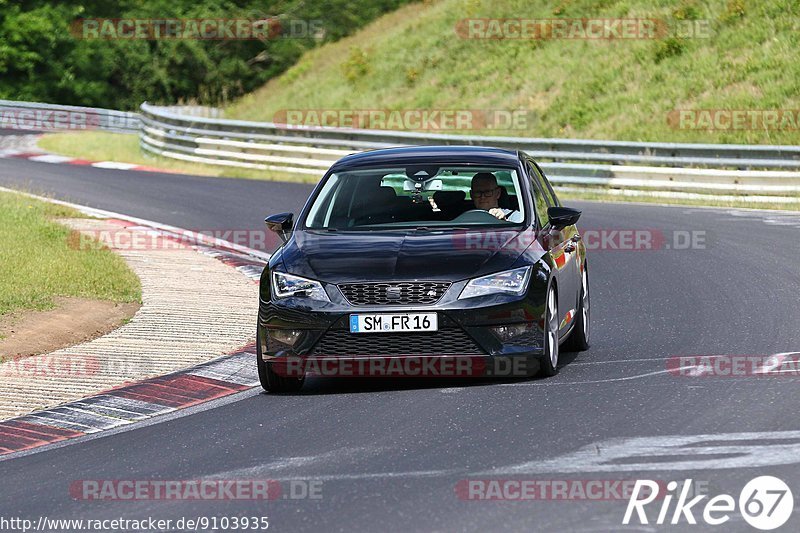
<point>422,196</point>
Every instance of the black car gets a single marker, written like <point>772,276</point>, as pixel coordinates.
<point>435,252</point>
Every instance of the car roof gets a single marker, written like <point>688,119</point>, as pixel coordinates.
<point>401,156</point>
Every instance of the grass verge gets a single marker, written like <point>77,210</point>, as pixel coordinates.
<point>619,196</point>
<point>37,263</point>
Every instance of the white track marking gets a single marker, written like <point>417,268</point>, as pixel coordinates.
<point>113,165</point>
<point>49,419</point>
<point>50,158</point>
<point>688,452</point>
<point>657,359</point>
<point>609,380</point>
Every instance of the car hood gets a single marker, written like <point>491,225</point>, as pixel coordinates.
<point>337,257</point>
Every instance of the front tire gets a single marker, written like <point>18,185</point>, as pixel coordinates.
<point>548,362</point>
<point>272,381</point>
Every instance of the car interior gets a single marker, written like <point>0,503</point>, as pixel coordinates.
<point>380,200</point>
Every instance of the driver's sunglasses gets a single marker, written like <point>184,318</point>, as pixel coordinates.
<point>483,194</point>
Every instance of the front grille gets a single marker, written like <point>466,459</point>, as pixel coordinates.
<point>450,341</point>
<point>402,293</point>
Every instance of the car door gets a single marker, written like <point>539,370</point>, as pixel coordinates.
<point>561,245</point>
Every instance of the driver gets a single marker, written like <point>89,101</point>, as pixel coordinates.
<point>486,195</point>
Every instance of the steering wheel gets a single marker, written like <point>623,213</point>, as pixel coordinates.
<point>475,215</point>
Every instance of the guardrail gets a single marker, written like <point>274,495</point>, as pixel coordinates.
<point>198,134</point>
<point>33,116</point>
<point>741,169</point>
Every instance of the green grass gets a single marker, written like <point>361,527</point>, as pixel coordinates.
<point>623,89</point>
<point>600,195</point>
<point>38,264</point>
<point>124,148</point>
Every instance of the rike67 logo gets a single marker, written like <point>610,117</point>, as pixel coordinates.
<point>765,503</point>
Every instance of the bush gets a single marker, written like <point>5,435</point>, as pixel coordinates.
<point>733,11</point>
<point>356,66</point>
<point>669,47</point>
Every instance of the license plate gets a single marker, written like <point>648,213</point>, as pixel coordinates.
<point>392,323</point>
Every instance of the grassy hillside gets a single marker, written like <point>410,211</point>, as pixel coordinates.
<point>604,89</point>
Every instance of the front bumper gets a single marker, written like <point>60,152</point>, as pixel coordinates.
<point>487,326</point>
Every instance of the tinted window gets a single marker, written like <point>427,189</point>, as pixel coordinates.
<point>385,198</point>
<point>549,185</point>
<point>542,184</point>
<point>540,201</point>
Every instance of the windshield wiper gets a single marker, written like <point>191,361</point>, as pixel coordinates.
<point>436,228</point>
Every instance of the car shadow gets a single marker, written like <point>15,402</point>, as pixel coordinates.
<point>326,385</point>
<point>565,358</point>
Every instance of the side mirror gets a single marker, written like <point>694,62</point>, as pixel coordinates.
<point>561,217</point>
<point>280,224</point>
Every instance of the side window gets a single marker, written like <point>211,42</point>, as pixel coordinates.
<point>540,203</point>
<point>542,184</point>
<point>546,181</point>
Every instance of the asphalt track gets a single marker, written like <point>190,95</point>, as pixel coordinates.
<point>390,454</point>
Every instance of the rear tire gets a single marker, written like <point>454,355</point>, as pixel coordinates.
<point>548,362</point>
<point>272,381</point>
<point>578,340</point>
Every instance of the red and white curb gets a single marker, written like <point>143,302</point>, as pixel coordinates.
<point>64,160</point>
<point>131,403</point>
<point>24,147</point>
<point>151,397</point>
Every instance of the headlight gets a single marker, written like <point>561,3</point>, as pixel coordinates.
<point>508,282</point>
<point>285,285</point>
